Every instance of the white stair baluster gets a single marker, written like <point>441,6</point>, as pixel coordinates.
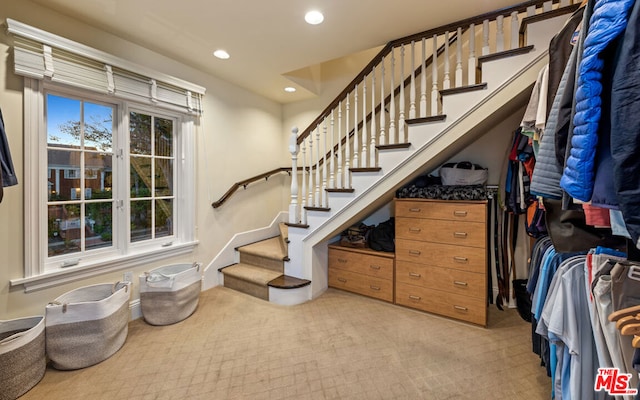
<point>458,58</point>
<point>392,102</point>
<point>294,210</point>
<point>402,135</point>
<point>412,88</point>
<point>340,183</point>
<point>500,33</point>
<point>485,37</point>
<point>434,78</point>
<point>564,3</point>
<point>383,122</point>
<point>374,133</point>
<point>311,186</point>
<point>547,6</point>
<point>356,141</point>
<point>423,81</point>
<point>304,188</point>
<point>365,143</point>
<point>515,30</point>
<point>331,165</point>
<point>347,151</point>
<point>325,166</point>
<point>531,11</point>
<point>471,78</point>
<point>446,82</point>
<point>317,202</point>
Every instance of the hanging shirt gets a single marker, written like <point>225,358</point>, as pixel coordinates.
<point>7,174</point>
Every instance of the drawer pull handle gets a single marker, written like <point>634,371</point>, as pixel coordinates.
<point>415,252</point>
<point>461,308</point>
<point>460,234</point>
<point>342,280</point>
<point>414,275</point>
<point>460,213</point>
<point>460,259</point>
<point>415,210</point>
<point>374,287</point>
<point>415,297</point>
<point>342,260</point>
<point>459,283</point>
<point>374,266</point>
<point>414,229</point>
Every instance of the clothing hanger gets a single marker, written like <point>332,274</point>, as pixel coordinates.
<point>627,321</point>
<point>625,312</point>
<point>632,328</point>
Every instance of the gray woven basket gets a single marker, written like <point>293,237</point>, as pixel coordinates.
<point>22,355</point>
<point>170,294</point>
<point>87,325</point>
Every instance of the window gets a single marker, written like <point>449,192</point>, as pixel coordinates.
<point>123,206</point>
<point>109,146</point>
<point>80,136</point>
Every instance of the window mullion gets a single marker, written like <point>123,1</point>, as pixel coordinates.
<point>121,179</point>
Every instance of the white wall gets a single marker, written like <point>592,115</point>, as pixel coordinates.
<point>241,136</point>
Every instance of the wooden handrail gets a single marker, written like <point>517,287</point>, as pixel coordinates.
<point>246,182</point>
<point>406,40</point>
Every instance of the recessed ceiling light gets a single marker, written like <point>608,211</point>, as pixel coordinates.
<point>221,54</point>
<point>314,17</point>
<point>289,89</point>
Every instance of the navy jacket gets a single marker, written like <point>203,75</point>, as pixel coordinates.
<point>625,125</point>
<point>8,174</point>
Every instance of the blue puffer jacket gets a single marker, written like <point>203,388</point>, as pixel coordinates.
<point>608,20</point>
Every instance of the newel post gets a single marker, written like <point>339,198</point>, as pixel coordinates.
<point>294,210</point>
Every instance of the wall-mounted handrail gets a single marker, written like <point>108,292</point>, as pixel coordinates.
<point>246,182</point>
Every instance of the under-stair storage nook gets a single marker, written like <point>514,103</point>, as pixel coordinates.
<point>441,257</point>
<point>363,271</point>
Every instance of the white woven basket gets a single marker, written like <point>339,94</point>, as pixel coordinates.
<point>87,325</point>
<point>22,355</point>
<point>170,294</point>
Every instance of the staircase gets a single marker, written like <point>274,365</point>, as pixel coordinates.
<point>260,267</point>
<point>372,144</point>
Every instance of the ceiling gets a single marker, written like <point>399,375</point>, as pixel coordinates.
<point>269,42</point>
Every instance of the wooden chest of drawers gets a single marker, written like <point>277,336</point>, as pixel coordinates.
<point>362,271</point>
<point>441,257</point>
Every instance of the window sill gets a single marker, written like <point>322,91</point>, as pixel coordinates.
<point>62,276</point>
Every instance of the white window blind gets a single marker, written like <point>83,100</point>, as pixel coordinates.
<point>42,55</point>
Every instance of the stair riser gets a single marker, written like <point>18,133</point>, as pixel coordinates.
<point>274,265</point>
<point>261,292</point>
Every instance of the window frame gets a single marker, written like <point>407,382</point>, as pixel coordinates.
<point>38,272</point>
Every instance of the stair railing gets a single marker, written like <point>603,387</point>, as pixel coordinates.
<point>362,119</point>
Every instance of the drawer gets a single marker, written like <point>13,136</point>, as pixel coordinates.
<point>459,233</point>
<point>472,259</point>
<point>362,284</point>
<point>446,279</point>
<point>448,210</point>
<point>452,305</point>
<point>358,262</point>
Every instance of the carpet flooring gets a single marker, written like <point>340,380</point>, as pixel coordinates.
<point>338,346</point>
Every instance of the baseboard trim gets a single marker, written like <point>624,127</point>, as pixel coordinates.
<point>135,309</point>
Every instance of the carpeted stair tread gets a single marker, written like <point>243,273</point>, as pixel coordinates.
<point>269,248</point>
<point>251,273</point>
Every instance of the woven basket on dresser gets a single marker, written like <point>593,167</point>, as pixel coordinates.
<point>87,325</point>
<point>170,293</point>
<point>22,355</point>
